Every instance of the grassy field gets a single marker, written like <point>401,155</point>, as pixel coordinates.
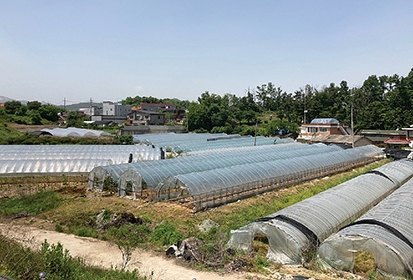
<point>73,209</point>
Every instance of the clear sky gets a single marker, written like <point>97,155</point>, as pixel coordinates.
<point>51,50</point>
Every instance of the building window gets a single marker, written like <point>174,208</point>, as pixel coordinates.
<point>159,117</point>
<point>323,129</point>
<point>312,129</point>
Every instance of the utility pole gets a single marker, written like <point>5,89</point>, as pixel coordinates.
<point>352,125</point>
<point>305,110</point>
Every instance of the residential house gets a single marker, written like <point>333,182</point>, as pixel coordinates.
<point>379,136</point>
<point>344,141</point>
<point>172,113</point>
<point>115,109</point>
<point>141,117</point>
<point>113,112</point>
<point>404,139</point>
<point>91,111</point>
<point>156,106</point>
<point>323,127</point>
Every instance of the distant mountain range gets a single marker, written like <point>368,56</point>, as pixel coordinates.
<point>77,106</point>
<point>71,107</point>
<point>4,99</point>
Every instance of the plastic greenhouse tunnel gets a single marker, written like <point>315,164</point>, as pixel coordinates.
<point>386,231</point>
<point>296,230</point>
<point>211,188</point>
<point>68,159</point>
<point>150,174</point>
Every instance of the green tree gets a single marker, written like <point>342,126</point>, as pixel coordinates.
<point>11,107</point>
<point>22,111</point>
<point>35,117</point>
<point>127,238</point>
<point>74,119</point>
<point>269,97</point>
<point>210,111</point>
<point>49,112</point>
<point>33,105</point>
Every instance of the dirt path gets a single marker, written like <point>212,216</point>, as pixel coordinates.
<point>154,265</point>
<point>103,254</point>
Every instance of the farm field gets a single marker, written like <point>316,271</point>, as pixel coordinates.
<point>77,204</point>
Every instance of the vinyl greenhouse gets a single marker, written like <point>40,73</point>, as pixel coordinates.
<point>75,132</point>
<point>296,230</point>
<point>18,160</point>
<point>152,173</point>
<point>386,231</point>
<point>208,180</point>
<point>178,143</point>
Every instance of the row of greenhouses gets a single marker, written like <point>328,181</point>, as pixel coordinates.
<point>69,159</point>
<point>178,143</point>
<point>16,160</point>
<point>75,132</point>
<point>207,189</point>
<point>294,232</point>
<point>207,180</point>
<point>386,231</point>
<point>153,172</point>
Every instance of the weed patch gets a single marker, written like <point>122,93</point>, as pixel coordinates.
<point>33,204</point>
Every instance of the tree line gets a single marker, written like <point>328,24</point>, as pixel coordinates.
<point>381,102</point>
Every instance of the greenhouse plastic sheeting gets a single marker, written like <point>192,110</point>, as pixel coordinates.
<point>186,142</point>
<point>286,145</point>
<point>268,171</point>
<point>44,159</point>
<point>295,230</point>
<point>386,231</point>
<point>153,173</point>
<point>75,132</point>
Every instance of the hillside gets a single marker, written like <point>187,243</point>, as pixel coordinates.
<point>77,106</point>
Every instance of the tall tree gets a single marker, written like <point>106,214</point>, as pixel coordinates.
<point>49,112</point>
<point>11,107</point>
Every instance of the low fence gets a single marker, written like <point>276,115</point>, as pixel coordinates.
<point>144,129</point>
<point>22,186</point>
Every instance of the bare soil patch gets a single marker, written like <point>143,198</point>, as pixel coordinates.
<point>153,264</point>
<point>29,128</point>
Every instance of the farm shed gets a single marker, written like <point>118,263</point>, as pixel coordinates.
<point>152,173</point>
<point>296,230</point>
<point>68,159</point>
<point>211,188</point>
<point>386,231</point>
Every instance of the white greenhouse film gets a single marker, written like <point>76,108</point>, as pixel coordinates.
<point>295,230</point>
<point>386,231</point>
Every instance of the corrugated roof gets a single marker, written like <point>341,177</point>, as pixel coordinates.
<point>344,139</point>
<point>325,121</point>
<point>383,132</point>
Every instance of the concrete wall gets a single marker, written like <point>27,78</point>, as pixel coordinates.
<point>143,129</point>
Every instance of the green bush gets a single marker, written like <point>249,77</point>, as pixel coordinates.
<point>165,234</point>
<point>86,232</point>
<point>19,262</point>
<point>128,235</point>
<point>58,261</point>
<point>31,204</point>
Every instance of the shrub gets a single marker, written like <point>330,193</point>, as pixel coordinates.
<point>165,234</point>
<point>58,261</point>
<point>32,204</point>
